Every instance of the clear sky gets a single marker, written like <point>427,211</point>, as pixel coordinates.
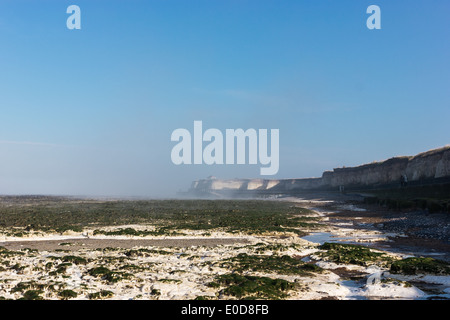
<point>91,111</point>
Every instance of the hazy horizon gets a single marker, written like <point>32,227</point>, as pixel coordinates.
<point>90,112</point>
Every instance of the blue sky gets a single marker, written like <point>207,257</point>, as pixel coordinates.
<point>91,111</point>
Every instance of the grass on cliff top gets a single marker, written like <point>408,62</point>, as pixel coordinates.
<point>250,216</point>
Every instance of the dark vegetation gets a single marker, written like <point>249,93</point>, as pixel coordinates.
<point>26,286</point>
<point>108,275</point>
<point>352,254</point>
<point>74,259</point>
<point>252,287</point>
<point>5,253</point>
<point>360,255</point>
<point>60,269</point>
<point>269,264</point>
<point>240,284</point>
<point>261,247</point>
<point>32,295</point>
<point>168,216</point>
<point>103,294</point>
<point>144,252</point>
<point>420,265</point>
<point>67,294</point>
<point>134,232</point>
<point>32,290</point>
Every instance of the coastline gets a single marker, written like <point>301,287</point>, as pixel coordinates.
<point>184,267</point>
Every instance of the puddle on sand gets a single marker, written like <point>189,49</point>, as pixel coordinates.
<point>322,237</point>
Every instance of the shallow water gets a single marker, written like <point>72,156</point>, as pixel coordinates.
<point>322,237</point>
<point>355,287</point>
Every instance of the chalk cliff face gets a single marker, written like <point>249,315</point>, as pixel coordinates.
<point>431,164</point>
<point>426,166</point>
<point>375,173</point>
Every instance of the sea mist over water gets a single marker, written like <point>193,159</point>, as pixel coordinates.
<point>109,169</point>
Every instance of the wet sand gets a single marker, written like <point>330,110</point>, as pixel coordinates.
<point>89,243</point>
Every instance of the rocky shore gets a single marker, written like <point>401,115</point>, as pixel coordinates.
<point>406,230</point>
<point>347,250</point>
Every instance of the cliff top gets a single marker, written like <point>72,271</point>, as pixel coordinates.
<point>432,152</point>
<point>395,160</point>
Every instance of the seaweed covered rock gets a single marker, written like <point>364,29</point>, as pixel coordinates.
<point>252,287</point>
<point>270,263</point>
<point>352,254</point>
<point>414,265</point>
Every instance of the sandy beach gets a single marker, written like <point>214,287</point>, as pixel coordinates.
<point>101,243</point>
<point>189,266</point>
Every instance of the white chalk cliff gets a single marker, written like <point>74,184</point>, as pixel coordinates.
<point>431,166</point>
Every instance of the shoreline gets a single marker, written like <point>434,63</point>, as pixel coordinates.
<point>188,267</point>
<point>408,232</point>
<point>344,217</point>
